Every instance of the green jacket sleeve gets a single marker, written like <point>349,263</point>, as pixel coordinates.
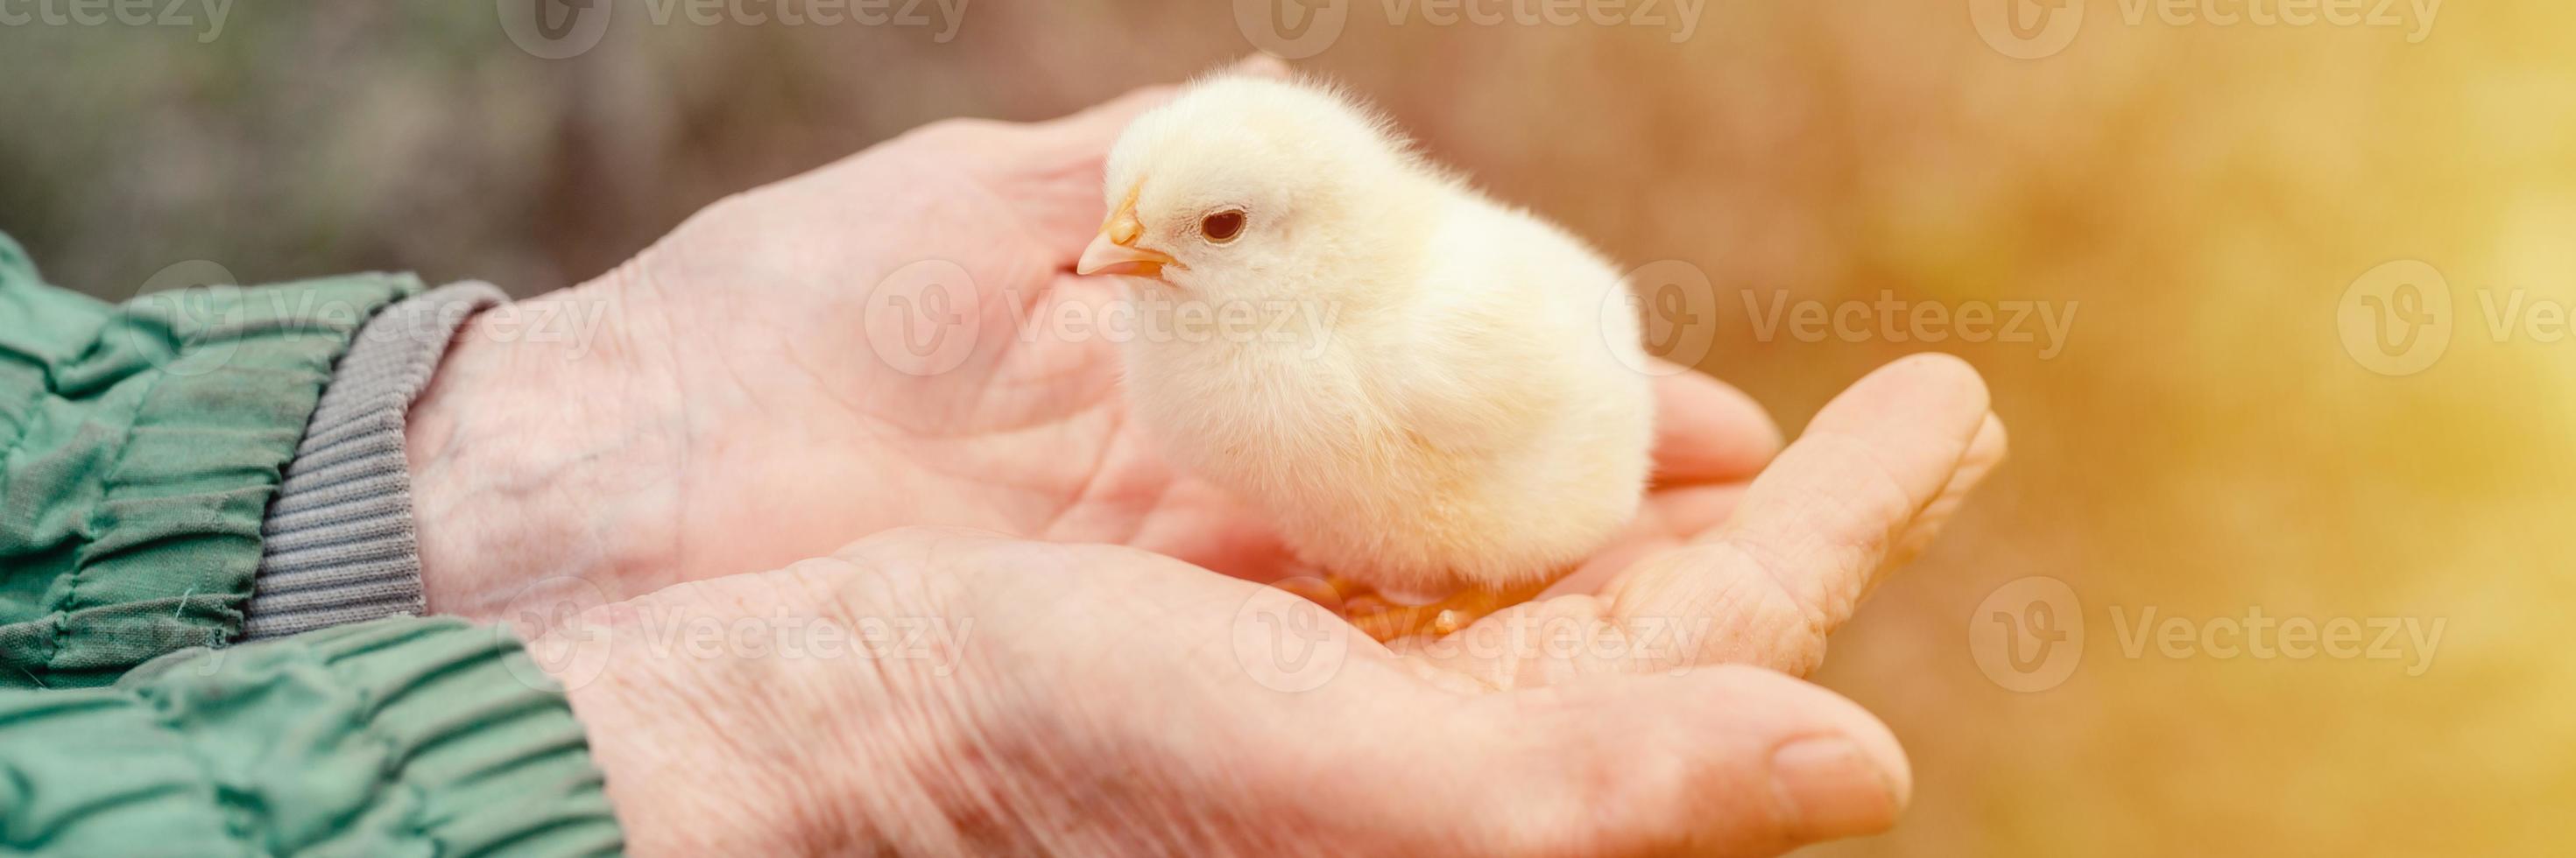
<point>139,447</point>
<point>397,737</point>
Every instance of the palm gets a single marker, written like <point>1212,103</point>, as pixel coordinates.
<point>823,392</point>
<point>895,339</point>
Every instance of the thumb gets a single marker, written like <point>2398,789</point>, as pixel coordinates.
<point>1727,760</point>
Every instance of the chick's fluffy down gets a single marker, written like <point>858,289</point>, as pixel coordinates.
<point>1458,398</point>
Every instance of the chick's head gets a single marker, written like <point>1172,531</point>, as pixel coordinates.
<point>1248,188</point>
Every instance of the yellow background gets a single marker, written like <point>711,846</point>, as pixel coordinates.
<point>2201,196</point>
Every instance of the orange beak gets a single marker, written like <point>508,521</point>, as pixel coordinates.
<point>1114,250</point>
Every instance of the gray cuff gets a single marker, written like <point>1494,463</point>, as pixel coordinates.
<point>337,546</point>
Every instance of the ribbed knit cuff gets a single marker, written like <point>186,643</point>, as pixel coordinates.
<point>337,546</point>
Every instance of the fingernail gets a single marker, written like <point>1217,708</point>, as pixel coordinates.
<point>1832,788</point>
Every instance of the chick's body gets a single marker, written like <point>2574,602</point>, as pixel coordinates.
<point>1438,391</point>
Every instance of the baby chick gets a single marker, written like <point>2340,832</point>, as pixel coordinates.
<point>1425,390</point>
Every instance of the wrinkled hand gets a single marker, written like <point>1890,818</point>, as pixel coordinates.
<point>870,345</point>
<point>945,691</point>
<point>1742,558</point>
<point>877,344</point>
<point>895,339</point>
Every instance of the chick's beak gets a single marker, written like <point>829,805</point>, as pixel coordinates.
<point>1114,250</point>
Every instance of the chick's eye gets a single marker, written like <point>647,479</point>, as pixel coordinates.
<point>1222,227</point>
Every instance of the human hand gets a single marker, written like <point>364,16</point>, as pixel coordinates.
<point>777,375</point>
<point>757,395</point>
<point>1025,696</point>
<point>1742,558</point>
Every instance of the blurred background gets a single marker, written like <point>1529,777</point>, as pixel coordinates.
<point>2194,196</point>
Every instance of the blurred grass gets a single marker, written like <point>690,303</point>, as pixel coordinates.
<point>2203,196</point>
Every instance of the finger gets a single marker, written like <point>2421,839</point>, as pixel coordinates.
<point>1726,760</point>
<point>1687,511</point>
<point>1811,535</point>
<point>1706,431</point>
<point>1985,453</point>
<point>1669,517</point>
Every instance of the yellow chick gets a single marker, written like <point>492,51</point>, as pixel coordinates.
<point>1427,391</point>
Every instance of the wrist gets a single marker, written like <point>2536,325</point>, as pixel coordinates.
<point>543,448</point>
<point>337,543</point>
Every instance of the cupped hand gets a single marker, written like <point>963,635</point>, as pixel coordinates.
<point>877,343</point>
<point>895,339</point>
<point>1749,559</point>
<point>949,691</point>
